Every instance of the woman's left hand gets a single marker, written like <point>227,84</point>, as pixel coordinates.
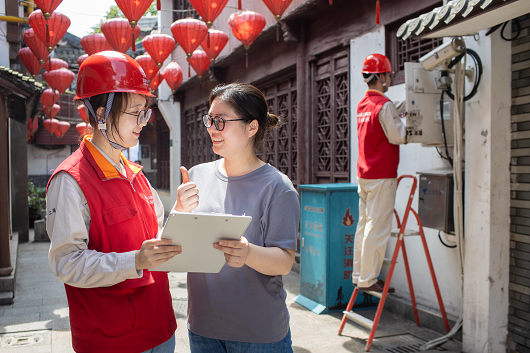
<point>236,251</point>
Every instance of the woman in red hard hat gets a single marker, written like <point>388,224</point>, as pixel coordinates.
<point>379,131</point>
<point>103,218</point>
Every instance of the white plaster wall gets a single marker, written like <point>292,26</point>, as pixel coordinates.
<point>37,159</point>
<point>413,158</point>
<point>171,112</point>
<point>4,46</point>
<point>487,200</point>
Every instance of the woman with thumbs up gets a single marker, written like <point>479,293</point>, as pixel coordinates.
<point>242,308</point>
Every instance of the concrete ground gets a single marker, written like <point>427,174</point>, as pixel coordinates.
<point>38,319</point>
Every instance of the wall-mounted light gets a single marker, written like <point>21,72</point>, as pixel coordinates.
<point>402,30</point>
<point>426,20</point>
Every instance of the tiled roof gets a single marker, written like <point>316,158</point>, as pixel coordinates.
<point>26,83</point>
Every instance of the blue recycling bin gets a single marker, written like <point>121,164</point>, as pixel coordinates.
<point>329,217</point>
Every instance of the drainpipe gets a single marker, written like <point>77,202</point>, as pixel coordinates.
<point>13,19</point>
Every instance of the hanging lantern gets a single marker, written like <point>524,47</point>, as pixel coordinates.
<point>81,109</point>
<point>81,59</point>
<point>133,10</point>
<point>189,34</point>
<point>55,64</point>
<point>36,45</point>
<point>218,40</point>
<point>173,76</point>
<point>47,6</point>
<point>57,133</point>
<point>148,65</point>
<point>51,125</point>
<point>63,127</point>
<point>33,125</point>
<point>30,61</point>
<point>94,43</point>
<point>200,62</point>
<point>84,129</point>
<point>49,97</point>
<point>209,10</point>
<point>156,81</point>
<point>159,46</point>
<point>277,8</point>
<point>119,34</point>
<point>59,79</point>
<point>52,111</point>
<point>246,26</point>
<point>51,31</point>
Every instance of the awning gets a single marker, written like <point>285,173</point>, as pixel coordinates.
<point>463,18</point>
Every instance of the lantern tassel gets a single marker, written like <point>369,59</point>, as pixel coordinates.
<point>377,7</point>
<point>47,33</point>
<point>246,56</point>
<point>277,31</point>
<point>133,44</point>
<point>239,6</point>
<point>208,41</point>
<point>189,70</point>
<point>158,6</point>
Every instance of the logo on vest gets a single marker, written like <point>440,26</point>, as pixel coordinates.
<point>364,117</point>
<point>149,199</point>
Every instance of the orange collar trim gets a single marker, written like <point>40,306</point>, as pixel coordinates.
<point>376,91</point>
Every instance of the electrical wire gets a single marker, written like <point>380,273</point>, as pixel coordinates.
<point>494,28</point>
<point>478,70</point>
<point>443,129</point>
<point>441,240</point>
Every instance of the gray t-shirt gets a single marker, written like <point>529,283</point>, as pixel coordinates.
<point>240,304</point>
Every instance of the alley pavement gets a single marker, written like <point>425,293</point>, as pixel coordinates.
<point>38,319</point>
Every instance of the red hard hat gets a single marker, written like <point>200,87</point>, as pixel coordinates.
<point>376,64</point>
<point>110,71</point>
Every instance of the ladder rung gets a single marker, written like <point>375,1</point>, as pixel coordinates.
<point>361,320</point>
<point>408,232</point>
<point>375,294</point>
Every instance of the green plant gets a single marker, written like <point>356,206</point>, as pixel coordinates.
<point>36,201</point>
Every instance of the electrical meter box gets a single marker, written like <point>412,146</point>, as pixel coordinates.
<point>423,121</point>
<point>436,199</point>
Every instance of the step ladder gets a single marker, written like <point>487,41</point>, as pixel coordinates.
<point>400,244</point>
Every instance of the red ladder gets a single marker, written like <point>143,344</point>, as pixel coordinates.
<point>348,314</point>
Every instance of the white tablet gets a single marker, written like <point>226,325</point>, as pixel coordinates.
<point>196,233</point>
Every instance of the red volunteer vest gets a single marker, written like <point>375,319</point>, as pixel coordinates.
<point>136,314</point>
<point>378,158</point>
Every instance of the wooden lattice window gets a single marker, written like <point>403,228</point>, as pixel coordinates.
<point>162,133</point>
<point>281,149</point>
<point>331,117</point>
<point>196,138</point>
<point>183,9</point>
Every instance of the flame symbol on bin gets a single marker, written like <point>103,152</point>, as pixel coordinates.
<point>348,220</point>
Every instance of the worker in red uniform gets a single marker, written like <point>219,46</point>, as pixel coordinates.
<point>380,131</point>
<point>103,218</point>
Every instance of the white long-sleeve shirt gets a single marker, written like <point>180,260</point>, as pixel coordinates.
<point>68,223</point>
<point>394,128</point>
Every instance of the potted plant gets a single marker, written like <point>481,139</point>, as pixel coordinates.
<point>36,202</point>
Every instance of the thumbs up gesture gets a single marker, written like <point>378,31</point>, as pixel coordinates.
<point>187,194</point>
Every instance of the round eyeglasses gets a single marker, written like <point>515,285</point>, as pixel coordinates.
<point>142,117</point>
<point>219,122</point>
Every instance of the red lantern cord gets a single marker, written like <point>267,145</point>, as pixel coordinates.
<point>377,7</point>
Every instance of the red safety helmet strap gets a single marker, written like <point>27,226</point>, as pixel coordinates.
<point>376,64</point>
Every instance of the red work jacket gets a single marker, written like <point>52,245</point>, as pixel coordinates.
<point>378,158</point>
<point>136,314</point>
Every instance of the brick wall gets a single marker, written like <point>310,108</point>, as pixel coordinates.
<point>519,314</point>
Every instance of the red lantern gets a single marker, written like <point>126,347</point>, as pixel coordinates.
<point>33,125</point>
<point>52,111</point>
<point>246,26</point>
<point>51,125</point>
<point>119,34</point>
<point>218,41</point>
<point>81,59</point>
<point>49,97</point>
<point>36,45</point>
<point>189,34</point>
<point>159,46</point>
<point>84,129</point>
<point>48,6</point>
<point>277,8</point>
<point>51,31</point>
<point>156,81</point>
<point>200,62</point>
<point>63,127</point>
<point>55,64</point>
<point>148,65</point>
<point>30,61</point>
<point>94,43</point>
<point>57,133</point>
<point>209,10</point>
<point>173,75</point>
<point>59,79</point>
<point>81,109</point>
<point>133,10</point>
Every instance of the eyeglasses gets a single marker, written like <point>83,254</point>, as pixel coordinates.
<point>216,120</point>
<point>142,117</point>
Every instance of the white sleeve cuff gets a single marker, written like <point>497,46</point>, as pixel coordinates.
<point>127,266</point>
